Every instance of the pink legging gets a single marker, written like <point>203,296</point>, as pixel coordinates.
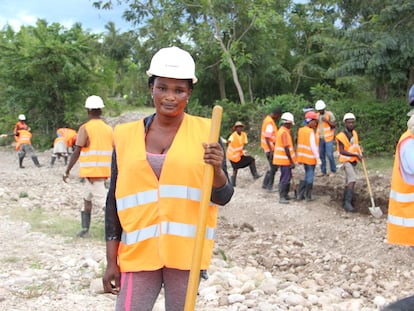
<point>139,290</point>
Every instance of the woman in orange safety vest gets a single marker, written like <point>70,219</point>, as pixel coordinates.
<point>155,191</point>
<point>237,154</point>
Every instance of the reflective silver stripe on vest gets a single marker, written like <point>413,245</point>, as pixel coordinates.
<point>140,235</point>
<point>96,152</point>
<point>168,227</point>
<point>304,147</point>
<point>180,192</point>
<point>137,199</point>
<point>95,164</point>
<point>184,230</point>
<point>402,197</point>
<point>400,221</point>
<point>310,156</point>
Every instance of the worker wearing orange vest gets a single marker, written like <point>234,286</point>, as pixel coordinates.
<point>267,143</point>
<point>308,154</point>
<point>284,156</point>
<point>400,224</point>
<point>20,125</point>
<point>326,133</point>
<point>349,155</point>
<point>154,196</point>
<point>69,134</point>
<point>236,152</point>
<point>93,148</point>
<point>24,147</point>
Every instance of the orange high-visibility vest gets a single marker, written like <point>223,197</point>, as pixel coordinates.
<point>235,146</point>
<point>19,126</point>
<point>354,147</point>
<point>95,159</point>
<point>159,217</point>
<point>279,155</point>
<point>268,120</point>
<point>24,137</point>
<point>68,134</point>
<point>328,132</point>
<point>304,151</point>
<point>400,224</point>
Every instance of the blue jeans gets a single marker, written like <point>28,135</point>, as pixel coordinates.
<point>309,173</point>
<point>326,150</point>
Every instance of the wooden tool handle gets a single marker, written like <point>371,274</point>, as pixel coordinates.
<point>202,219</point>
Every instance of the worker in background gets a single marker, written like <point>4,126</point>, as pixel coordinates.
<point>349,155</point>
<point>284,156</point>
<point>93,148</point>
<point>308,154</point>
<point>24,147</point>
<point>267,143</point>
<point>70,136</point>
<point>236,152</point>
<point>326,133</point>
<point>60,149</point>
<point>400,228</point>
<point>20,125</point>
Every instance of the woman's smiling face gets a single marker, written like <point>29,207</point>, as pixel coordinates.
<point>170,95</point>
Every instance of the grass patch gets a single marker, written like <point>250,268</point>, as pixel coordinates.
<point>382,164</point>
<point>53,224</point>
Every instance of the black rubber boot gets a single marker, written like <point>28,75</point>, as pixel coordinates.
<point>21,161</point>
<point>265,180</point>
<point>308,192</point>
<point>348,195</point>
<point>65,158</point>
<point>233,180</point>
<point>86,223</point>
<point>287,197</point>
<point>36,161</point>
<point>301,190</point>
<point>283,190</point>
<point>253,170</point>
<point>52,161</point>
<point>271,180</point>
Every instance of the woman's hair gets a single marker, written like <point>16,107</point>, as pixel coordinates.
<point>152,79</point>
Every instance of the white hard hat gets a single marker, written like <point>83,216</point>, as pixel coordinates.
<point>348,116</point>
<point>287,117</point>
<point>94,102</point>
<point>320,105</point>
<point>22,117</point>
<point>172,62</point>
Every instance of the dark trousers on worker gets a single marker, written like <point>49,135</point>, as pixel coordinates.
<point>285,174</point>
<point>270,174</point>
<point>245,161</point>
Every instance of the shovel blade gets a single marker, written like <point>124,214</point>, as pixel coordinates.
<point>375,211</point>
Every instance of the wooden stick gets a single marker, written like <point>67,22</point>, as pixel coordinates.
<point>194,277</point>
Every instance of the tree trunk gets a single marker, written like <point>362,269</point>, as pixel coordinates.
<point>222,86</point>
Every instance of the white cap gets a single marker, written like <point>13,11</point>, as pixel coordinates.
<point>94,102</point>
<point>320,105</point>
<point>349,116</point>
<point>172,62</point>
<point>287,117</point>
<point>22,117</point>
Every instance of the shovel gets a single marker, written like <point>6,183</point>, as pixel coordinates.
<point>374,210</point>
